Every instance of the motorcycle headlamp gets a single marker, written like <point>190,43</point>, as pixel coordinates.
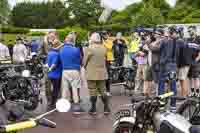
<point>26,73</point>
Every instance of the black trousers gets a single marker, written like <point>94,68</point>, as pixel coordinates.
<point>56,89</point>
<point>108,63</point>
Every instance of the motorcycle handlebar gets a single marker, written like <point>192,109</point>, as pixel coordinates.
<point>27,124</point>
<point>166,95</point>
<point>18,126</point>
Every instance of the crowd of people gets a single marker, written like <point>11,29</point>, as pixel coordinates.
<point>162,57</point>
<point>165,56</point>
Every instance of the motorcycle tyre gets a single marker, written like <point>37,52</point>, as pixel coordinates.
<point>126,125</point>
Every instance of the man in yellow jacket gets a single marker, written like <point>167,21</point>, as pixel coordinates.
<point>133,46</point>
<point>108,44</point>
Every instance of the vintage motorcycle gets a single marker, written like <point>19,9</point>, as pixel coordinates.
<point>148,115</point>
<point>19,87</point>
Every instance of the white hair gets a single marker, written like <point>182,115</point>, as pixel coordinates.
<point>95,38</point>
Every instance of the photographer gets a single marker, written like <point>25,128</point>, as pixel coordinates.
<point>168,63</point>
<point>152,68</point>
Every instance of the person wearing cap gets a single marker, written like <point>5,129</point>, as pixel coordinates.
<point>20,53</point>
<point>96,73</point>
<point>119,47</point>
<point>55,71</point>
<point>169,52</point>
<point>71,63</point>
<point>4,51</point>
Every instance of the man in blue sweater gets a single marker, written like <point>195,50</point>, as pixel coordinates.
<point>71,63</point>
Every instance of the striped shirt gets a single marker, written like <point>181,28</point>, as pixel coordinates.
<point>4,52</point>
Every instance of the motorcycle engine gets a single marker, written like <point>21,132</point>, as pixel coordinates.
<point>18,88</point>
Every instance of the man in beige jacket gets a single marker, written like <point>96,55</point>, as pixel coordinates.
<point>96,73</point>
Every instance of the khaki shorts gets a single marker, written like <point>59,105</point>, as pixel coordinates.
<point>140,72</point>
<point>71,79</point>
<point>183,73</point>
<point>96,87</point>
<point>148,75</point>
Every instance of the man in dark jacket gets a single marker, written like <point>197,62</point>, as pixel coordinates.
<point>168,63</point>
<point>194,73</point>
<point>119,47</point>
<point>184,63</point>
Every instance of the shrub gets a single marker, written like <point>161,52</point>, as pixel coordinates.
<point>111,27</point>
<point>37,33</point>
<point>9,39</point>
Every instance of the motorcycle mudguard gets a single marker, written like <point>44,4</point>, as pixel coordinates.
<point>130,120</point>
<point>177,122</point>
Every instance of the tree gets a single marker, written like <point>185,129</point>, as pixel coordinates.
<point>40,15</point>
<point>149,16</point>
<point>85,12</point>
<point>179,12</point>
<point>4,11</point>
<point>193,17</point>
<point>193,3</point>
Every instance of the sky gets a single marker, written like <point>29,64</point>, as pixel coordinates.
<point>114,4</point>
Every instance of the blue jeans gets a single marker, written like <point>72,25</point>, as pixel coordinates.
<point>161,89</point>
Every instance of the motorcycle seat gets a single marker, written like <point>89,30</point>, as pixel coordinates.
<point>195,129</point>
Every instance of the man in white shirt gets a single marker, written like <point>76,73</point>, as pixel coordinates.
<point>4,52</point>
<point>20,52</point>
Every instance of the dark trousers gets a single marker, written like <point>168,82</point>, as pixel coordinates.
<point>161,89</point>
<point>56,89</point>
<point>108,63</point>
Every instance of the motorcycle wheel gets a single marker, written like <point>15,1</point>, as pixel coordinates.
<point>125,127</point>
<point>187,108</point>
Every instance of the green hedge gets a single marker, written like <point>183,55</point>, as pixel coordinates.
<point>36,34</point>
<point>111,27</point>
<point>14,30</point>
<point>82,33</point>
